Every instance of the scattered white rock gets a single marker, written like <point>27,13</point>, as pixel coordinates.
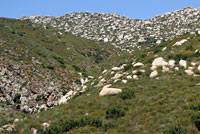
<point>112,72</point>
<point>129,77</point>
<point>158,62</point>
<point>139,64</point>
<point>198,68</point>
<point>154,74</point>
<point>198,32</point>
<point>190,68</point>
<point>16,120</point>
<point>45,125</point>
<point>104,71</point>
<point>171,63</point>
<point>183,63</point>
<point>100,77</point>
<point>179,43</point>
<point>117,76</point>
<point>134,71</point>
<point>165,69</point>
<point>198,84</point>
<point>124,81</point>
<point>158,41</point>
<point>65,98</point>
<point>116,68</point>
<point>193,63</point>
<point>153,68</point>
<point>102,80</point>
<point>105,40</point>
<point>164,48</point>
<point>176,68</point>
<point>109,91</point>
<point>189,72</point>
<point>135,77</point>
<point>116,80</point>
<point>143,71</point>
<point>33,131</point>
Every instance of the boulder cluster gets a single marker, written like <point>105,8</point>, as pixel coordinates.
<point>32,95</point>
<point>158,66</point>
<point>121,31</point>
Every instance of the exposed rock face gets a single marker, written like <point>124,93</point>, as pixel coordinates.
<point>109,91</point>
<point>31,95</point>
<point>124,32</point>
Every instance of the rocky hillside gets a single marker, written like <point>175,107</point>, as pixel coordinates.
<point>124,32</point>
<point>53,82</point>
<point>42,68</point>
<point>155,90</point>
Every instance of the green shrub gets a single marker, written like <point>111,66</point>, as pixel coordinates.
<point>149,60</point>
<point>156,50</point>
<point>59,59</point>
<point>115,112</point>
<point>195,107</point>
<point>21,34</point>
<point>65,126</point>
<point>50,67</point>
<point>1,25</point>
<point>38,98</point>
<point>76,68</point>
<point>139,73</point>
<point>23,85</point>
<point>127,94</point>
<point>85,74</point>
<point>41,54</point>
<point>143,55</point>
<point>17,98</point>
<point>196,120</point>
<point>108,126</point>
<point>78,82</point>
<point>127,67</point>
<point>189,48</point>
<point>98,59</point>
<point>176,130</point>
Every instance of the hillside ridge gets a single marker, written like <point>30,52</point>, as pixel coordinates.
<point>124,32</point>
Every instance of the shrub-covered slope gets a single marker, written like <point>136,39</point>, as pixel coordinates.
<point>39,65</point>
<point>160,95</point>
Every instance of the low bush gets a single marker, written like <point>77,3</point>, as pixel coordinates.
<point>59,59</point>
<point>196,120</point>
<point>115,112</point>
<point>38,98</point>
<point>65,126</point>
<point>143,55</point>
<point>17,98</point>
<point>189,48</point>
<point>176,130</point>
<point>195,107</point>
<point>21,34</point>
<point>1,25</point>
<point>23,85</point>
<point>127,94</point>
<point>50,67</point>
<point>76,68</point>
<point>127,67</point>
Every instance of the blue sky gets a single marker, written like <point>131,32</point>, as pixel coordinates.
<point>141,9</point>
